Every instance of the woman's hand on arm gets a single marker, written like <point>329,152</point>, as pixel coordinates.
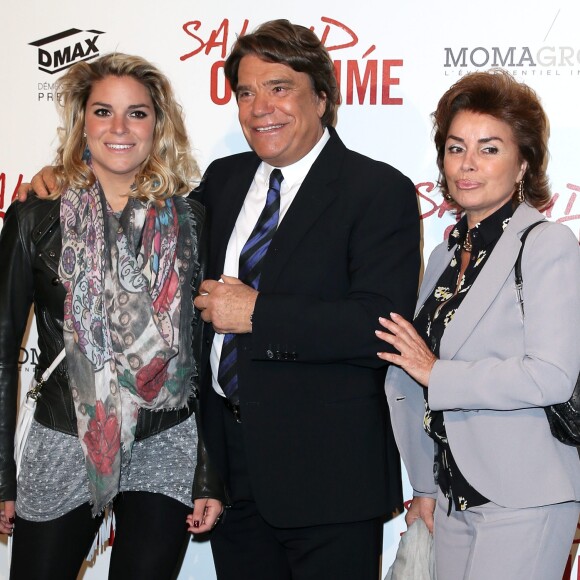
<point>206,514</point>
<point>7,517</point>
<point>415,356</point>
<point>43,184</point>
<point>421,508</point>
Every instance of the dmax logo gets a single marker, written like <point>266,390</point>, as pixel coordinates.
<point>60,51</point>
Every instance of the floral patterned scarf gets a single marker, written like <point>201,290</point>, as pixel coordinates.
<point>125,315</point>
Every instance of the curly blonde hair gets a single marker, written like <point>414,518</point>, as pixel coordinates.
<point>170,169</point>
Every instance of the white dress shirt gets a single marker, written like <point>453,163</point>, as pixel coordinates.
<point>254,203</point>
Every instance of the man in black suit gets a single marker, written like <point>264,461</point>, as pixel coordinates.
<point>303,441</point>
<point>303,437</point>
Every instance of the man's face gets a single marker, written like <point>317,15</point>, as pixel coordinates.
<point>278,110</point>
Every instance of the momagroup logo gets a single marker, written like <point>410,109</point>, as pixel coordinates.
<point>28,356</point>
<point>60,51</point>
<point>519,60</point>
<point>28,360</point>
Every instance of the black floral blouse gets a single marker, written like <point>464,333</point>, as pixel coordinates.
<point>431,322</point>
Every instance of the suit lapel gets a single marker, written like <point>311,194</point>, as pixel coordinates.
<point>437,264</point>
<point>315,194</point>
<point>230,201</point>
<point>489,282</point>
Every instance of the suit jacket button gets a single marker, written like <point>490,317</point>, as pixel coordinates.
<point>269,354</point>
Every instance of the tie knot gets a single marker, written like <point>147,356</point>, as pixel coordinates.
<point>276,179</point>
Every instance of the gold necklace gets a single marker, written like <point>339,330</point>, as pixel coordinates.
<point>467,245</point>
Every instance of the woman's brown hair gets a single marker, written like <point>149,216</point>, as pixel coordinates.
<point>498,94</point>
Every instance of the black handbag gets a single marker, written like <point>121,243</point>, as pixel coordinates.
<point>563,418</point>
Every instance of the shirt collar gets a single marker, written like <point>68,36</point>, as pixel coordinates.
<point>294,174</point>
<point>485,232</point>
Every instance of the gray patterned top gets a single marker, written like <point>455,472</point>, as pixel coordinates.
<point>53,479</point>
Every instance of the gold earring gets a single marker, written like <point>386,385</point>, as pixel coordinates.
<point>521,196</point>
<point>447,197</point>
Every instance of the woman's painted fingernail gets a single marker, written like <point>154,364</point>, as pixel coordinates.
<point>196,523</point>
<point>12,519</point>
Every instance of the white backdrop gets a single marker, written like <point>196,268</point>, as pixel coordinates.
<point>394,61</point>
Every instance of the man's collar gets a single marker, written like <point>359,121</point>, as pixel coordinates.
<point>297,171</point>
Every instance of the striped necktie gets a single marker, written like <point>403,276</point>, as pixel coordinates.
<point>250,269</point>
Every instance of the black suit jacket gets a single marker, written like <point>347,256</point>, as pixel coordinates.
<point>316,427</point>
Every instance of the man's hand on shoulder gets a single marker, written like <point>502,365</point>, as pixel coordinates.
<point>227,304</point>
<point>43,184</point>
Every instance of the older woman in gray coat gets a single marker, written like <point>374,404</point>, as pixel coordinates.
<point>471,375</point>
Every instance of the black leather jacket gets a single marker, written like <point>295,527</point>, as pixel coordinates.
<point>30,246</point>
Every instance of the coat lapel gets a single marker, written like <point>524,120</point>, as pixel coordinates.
<point>231,200</point>
<point>438,261</point>
<point>315,194</point>
<point>489,282</point>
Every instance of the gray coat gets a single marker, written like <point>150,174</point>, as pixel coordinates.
<point>497,372</point>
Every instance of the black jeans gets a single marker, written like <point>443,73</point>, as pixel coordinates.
<point>150,541</point>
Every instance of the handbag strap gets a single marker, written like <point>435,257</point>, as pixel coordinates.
<point>34,393</point>
<point>46,374</point>
<point>518,265</point>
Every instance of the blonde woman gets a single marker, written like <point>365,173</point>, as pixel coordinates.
<point>110,263</point>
